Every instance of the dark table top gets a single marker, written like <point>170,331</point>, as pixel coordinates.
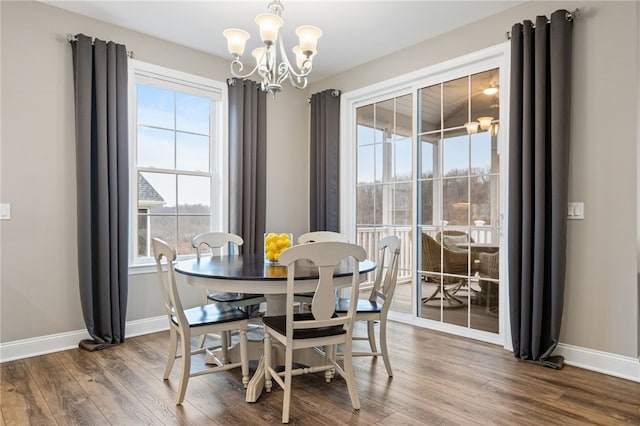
<point>253,267</point>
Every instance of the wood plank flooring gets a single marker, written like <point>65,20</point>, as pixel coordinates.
<point>438,380</point>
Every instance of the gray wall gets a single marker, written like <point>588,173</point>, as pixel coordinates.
<point>39,279</point>
<point>601,301</point>
<point>37,160</point>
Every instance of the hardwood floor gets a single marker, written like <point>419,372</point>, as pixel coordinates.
<point>438,380</point>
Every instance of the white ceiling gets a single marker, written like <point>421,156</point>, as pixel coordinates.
<point>354,32</point>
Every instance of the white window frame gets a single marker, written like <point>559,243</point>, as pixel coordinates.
<point>155,75</point>
<point>493,57</point>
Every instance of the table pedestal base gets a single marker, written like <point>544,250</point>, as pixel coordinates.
<point>308,357</point>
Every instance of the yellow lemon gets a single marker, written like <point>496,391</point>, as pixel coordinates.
<point>284,236</point>
<point>271,255</point>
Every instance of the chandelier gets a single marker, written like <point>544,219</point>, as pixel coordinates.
<point>272,72</point>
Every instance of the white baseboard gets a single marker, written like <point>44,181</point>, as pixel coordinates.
<point>26,348</point>
<point>601,362</point>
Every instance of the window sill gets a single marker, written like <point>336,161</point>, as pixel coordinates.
<point>146,268</point>
<point>150,267</point>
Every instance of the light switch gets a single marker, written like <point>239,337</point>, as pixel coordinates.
<point>575,211</point>
<point>5,211</point>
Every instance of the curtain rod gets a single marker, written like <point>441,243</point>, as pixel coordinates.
<point>72,39</point>
<point>334,93</point>
<point>569,16</point>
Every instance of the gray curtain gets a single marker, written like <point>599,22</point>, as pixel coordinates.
<point>325,161</point>
<point>538,181</point>
<point>102,169</point>
<point>247,163</point>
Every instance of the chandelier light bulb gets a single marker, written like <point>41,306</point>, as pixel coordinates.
<point>260,54</point>
<point>269,25</point>
<point>301,58</point>
<point>236,40</point>
<point>308,36</point>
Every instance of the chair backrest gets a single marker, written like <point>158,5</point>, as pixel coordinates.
<point>215,240</point>
<point>167,281</point>
<point>450,239</point>
<point>384,284</point>
<point>326,256</point>
<point>489,264</point>
<point>322,237</point>
<point>437,258</point>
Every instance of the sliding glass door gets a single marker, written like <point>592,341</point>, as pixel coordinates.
<point>428,170</point>
<point>458,197</point>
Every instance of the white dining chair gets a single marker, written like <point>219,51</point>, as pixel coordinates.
<point>320,327</point>
<point>216,241</point>
<point>248,302</point>
<point>304,299</point>
<point>322,237</point>
<point>376,307</point>
<point>187,323</point>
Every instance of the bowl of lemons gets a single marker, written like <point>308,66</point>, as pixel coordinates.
<point>274,244</point>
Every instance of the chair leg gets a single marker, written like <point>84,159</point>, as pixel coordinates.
<point>267,362</point>
<point>372,336</point>
<point>383,346</point>
<point>244,357</point>
<point>288,366</point>
<point>185,342</point>
<point>329,355</point>
<point>173,347</point>
<point>446,298</point>
<point>350,375</point>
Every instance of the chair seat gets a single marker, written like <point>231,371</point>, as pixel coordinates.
<point>226,297</point>
<point>279,324</point>
<point>212,314</point>
<point>364,305</point>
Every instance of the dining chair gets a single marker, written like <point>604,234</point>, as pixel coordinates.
<point>376,307</point>
<point>248,302</point>
<point>317,237</point>
<point>187,323</point>
<point>322,236</point>
<point>320,327</point>
<point>215,241</point>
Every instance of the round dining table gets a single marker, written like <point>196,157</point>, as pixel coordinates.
<point>251,273</point>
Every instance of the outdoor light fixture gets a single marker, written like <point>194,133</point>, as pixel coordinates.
<point>472,127</point>
<point>485,122</point>
<point>491,90</point>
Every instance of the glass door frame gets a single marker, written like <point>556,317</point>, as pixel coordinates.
<point>493,57</point>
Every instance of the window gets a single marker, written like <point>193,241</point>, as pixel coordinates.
<point>178,159</point>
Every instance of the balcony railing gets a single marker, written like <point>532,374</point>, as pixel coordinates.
<point>370,237</point>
